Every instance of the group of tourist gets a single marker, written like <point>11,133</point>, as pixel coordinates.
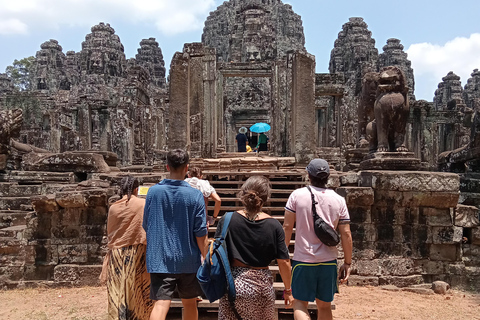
<point>157,245</point>
<point>243,143</point>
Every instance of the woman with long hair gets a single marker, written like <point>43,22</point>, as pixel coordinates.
<point>253,240</point>
<point>124,269</point>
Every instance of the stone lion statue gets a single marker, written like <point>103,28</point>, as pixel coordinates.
<point>387,131</point>
<point>10,125</point>
<point>366,105</point>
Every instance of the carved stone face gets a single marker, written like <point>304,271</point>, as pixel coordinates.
<point>253,54</point>
<point>390,80</point>
<point>96,63</point>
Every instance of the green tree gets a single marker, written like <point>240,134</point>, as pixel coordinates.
<point>21,73</point>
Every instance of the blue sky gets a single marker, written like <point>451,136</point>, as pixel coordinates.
<point>439,36</point>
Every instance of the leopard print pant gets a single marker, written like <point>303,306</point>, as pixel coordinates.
<point>255,295</point>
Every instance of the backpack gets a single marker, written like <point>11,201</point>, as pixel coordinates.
<point>214,275</point>
<point>323,230</point>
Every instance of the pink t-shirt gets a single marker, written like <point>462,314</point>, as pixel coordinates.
<point>330,206</point>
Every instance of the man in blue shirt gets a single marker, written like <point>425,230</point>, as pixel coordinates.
<point>175,223</point>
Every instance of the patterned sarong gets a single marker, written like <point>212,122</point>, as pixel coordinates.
<point>128,284</point>
<point>255,295</point>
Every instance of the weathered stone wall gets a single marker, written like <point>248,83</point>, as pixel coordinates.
<point>407,229</point>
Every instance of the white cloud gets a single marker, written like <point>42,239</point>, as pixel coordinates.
<point>12,26</point>
<point>432,62</point>
<point>170,17</point>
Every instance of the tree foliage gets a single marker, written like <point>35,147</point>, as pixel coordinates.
<point>21,73</point>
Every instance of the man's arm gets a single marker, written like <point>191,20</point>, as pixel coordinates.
<point>203,245</point>
<point>347,245</point>
<point>288,224</point>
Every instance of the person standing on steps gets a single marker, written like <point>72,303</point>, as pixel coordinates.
<point>314,273</point>
<point>195,179</point>
<point>253,240</point>
<point>241,140</point>
<point>262,144</point>
<point>175,224</point>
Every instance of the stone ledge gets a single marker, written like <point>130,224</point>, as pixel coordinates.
<point>413,181</point>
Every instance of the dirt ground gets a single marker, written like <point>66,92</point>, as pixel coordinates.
<point>90,303</point>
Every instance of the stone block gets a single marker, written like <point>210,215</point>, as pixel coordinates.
<point>359,214</point>
<point>363,232</point>
<point>68,254</point>
<point>3,161</point>
<point>444,252</point>
<point>61,231</point>
<point>70,199</point>
<point>39,272</point>
<point>42,252</point>
<point>400,281</point>
<point>438,217</point>
<point>357,196</point>
<point>349,179</point>
<point>65,162</point>
<point>413,181</point>
<point>403,233</point>
<point>466,216</point>
<point>16,190</point>
<point>430,199</point>
<point>440,287</point>
<point>360,281</point>
<point>447,235</point>
<point>384,215</point>
<point>95,197</point>
<point>426,266</point>
<point>38,177</point>
<point>455,268</point>
<point>368,267</point>
<point>417,290</point>
<point>385,232</point>
<point>78,275</point>
<point>363,250</point>
<point>95,215</point>
<point>44,203</point>
<point>14,203</point>
<point>397,267</point>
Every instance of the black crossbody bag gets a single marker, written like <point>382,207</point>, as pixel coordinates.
<point>323,230</point>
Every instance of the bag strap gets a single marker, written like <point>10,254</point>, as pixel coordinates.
<point>314,209</point>
<point>226,265</point>
<point>226,223</point>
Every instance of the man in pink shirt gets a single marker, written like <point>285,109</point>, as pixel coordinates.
<point>314,273</point>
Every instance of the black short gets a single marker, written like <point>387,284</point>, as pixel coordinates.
<point>163,285</point>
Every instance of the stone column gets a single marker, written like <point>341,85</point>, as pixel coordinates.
<point>179,116</point>
<point>303,140</point>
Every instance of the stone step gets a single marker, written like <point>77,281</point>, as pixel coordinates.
<point>270,200</point>
<point>15,232</point>
<point>15,203</point>
<point>274,183</point>
<point>235,191</point>
<point>9,218</point>
<point>266,209</point>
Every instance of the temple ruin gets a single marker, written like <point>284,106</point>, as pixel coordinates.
<point>94,115</point>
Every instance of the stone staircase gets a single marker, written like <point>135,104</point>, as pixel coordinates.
<point>227,184</point>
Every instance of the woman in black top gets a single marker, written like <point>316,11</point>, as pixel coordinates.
<point>254,239</point>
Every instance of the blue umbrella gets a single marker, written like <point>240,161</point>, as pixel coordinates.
<point>260,127</point>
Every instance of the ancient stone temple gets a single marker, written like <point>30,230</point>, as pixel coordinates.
<point>94,115</point>
<point>96,100</point>
<point>250,67</point>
